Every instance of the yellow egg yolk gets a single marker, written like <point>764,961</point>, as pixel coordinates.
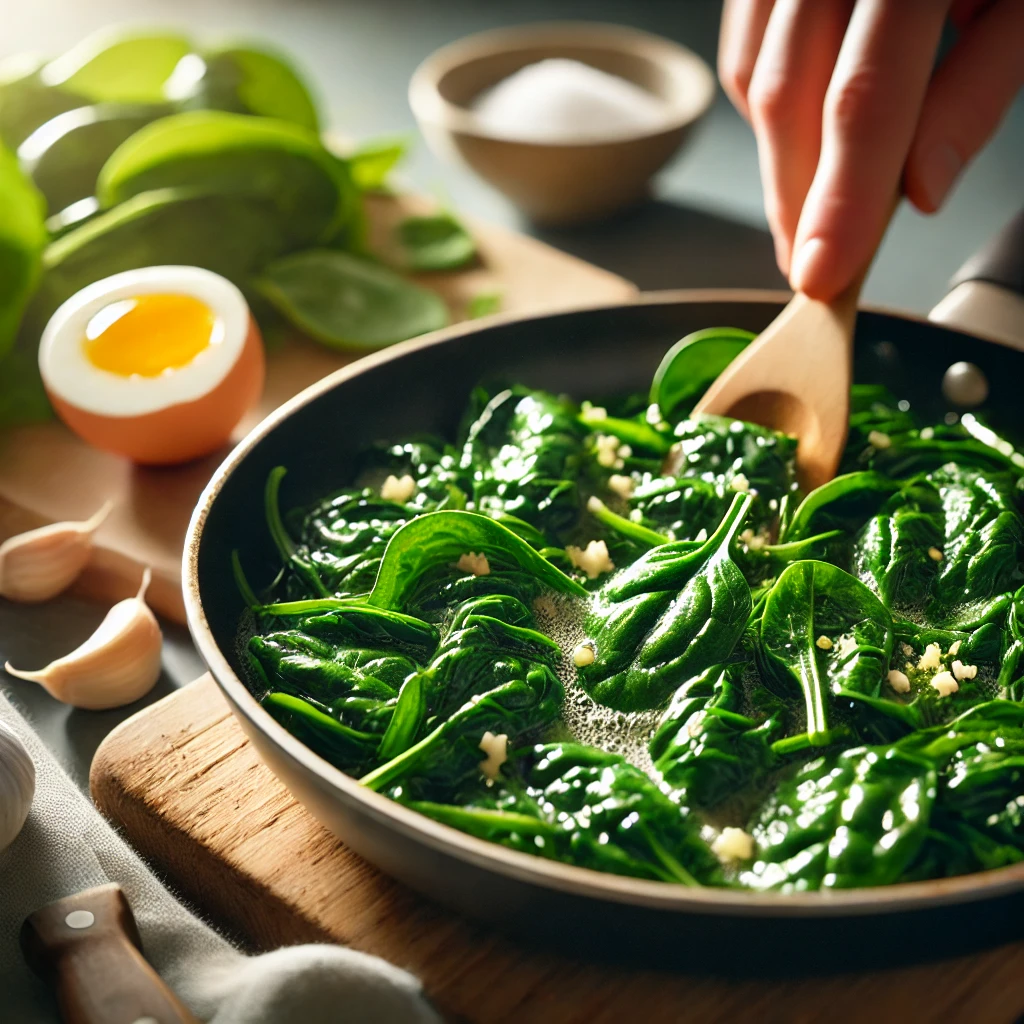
<point>150,334</point>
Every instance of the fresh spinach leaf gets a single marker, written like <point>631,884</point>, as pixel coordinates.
<point>345,301</point>
<point>435,242</point>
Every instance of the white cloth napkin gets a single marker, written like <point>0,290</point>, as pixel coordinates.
<point>66,847</point>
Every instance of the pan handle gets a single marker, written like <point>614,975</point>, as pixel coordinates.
<point>986,296</point>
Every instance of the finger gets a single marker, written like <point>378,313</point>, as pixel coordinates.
<point>871,110</point>
<point>743,24</point>
<point>968,96</point>
<point>785,98</point>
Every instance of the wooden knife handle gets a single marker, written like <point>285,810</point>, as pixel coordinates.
<point>89,946</point>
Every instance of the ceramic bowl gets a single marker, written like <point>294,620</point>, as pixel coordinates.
<point>560,183</point>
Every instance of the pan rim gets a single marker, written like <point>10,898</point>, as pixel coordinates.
<point>480,853</point>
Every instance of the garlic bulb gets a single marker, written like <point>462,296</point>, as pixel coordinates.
<point>38,565</point>
<point>17,784</point>
<point>119,663</point>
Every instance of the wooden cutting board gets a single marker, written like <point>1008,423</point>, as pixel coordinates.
<point>47,474</point>
<point>193,797</point>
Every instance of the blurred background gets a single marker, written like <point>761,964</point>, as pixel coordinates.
<point>706,227</point>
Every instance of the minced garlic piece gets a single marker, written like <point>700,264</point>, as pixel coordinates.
<point>954,648</point>
<point>695,724</point>
<point>593,413</point>
<point>621,485</point>
<point>495,749</point>
<point>823,643</point>
<point>593,559</point>
<point>610,452</point>
<point>935,554</point>
<point>879,440</point>
<point>702,535</point>
<point>739,483</point>
<point>945,684</point>
<point>847,645</point>
<point>927,433</point>
<point>898,681</point>
<point>754,541</point>
<point>476,565</point>
<point>962,671</point>
<point>733,845</point>
<point>399,489</point>
<point>583,654</point>
<point>931,659</point>
<point>607,449</point>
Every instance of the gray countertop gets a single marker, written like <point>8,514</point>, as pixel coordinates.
<point>706,227</point>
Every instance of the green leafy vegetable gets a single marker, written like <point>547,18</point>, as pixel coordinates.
<point>26,102</point>
<point>119,68</point>
<point>276,162</point>
<point>436,242</point>
<point>437,540</point>
<point>852,819</point>
<point>344,301</point>
<point>250,81</point>
<point>65,156</point>
<point>677,610</point>
<point>705,747</point>
<point>522,457</point>
<point>373,161</point>
<point>691,364</point>
<point>824,633</point>
<point>230,235</point>
<point>586,807</point>
<point>483,304</point>
<point>22,237</point>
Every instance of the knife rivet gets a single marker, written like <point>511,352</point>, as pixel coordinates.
<point>80,919</point>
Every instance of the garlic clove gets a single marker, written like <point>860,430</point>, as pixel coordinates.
<point>118,664</point>
<point>39,564</point>
<point>17,784</point>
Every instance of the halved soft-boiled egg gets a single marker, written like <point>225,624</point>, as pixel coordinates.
<point>157,364</point>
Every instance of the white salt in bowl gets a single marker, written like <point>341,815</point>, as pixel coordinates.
<point>572,180</point>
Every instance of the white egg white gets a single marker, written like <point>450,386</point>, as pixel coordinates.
<point>68,373</point>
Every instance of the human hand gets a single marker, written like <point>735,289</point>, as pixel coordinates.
<point>846,104</point>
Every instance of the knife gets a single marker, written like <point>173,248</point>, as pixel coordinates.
<point>89,946</point>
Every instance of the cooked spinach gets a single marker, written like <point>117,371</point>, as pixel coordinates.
<point>612,637</point>
<point>677,610</point>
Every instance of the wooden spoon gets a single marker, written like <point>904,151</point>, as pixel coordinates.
<point>795,377</point>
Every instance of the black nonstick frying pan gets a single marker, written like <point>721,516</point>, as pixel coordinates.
<point>422,386</point>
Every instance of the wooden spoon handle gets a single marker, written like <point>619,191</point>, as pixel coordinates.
<point>89,945</point>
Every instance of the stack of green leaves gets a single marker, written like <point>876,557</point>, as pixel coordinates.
<point>146,149</point>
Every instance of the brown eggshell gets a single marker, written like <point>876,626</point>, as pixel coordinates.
<point>178,433</point>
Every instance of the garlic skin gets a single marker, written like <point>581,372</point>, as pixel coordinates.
<point>17,784</point>
<point>118,664</point>
<point>38,565</point>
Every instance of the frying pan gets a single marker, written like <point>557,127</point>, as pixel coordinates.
<point>423,385</point>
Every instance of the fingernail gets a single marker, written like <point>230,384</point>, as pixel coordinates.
<point>938,172</point>
<point>807,264</point>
